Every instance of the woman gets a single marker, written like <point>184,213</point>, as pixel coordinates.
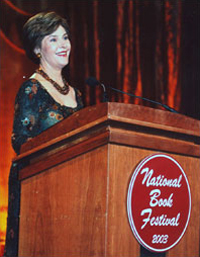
<point>42,101</point>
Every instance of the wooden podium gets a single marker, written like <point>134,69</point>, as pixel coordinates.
<point>74,187</point>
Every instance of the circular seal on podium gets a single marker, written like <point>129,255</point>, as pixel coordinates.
<point>158,202</point>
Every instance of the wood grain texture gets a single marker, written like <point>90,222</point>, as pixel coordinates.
<point>85,200</point>
<point>111,122</point>
<point>90,117</point>
<point>121,242</point>
<point>150,140</point>
<point>125,135</point>
<point>63,210</point>
<point>74,187</point>
<point>69,151</point>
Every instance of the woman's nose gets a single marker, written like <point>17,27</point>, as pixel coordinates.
<point>64,43</point>
<point>61,43</point>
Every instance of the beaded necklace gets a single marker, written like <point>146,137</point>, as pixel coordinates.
<point>63,90</point>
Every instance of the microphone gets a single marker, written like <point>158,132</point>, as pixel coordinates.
<point>91,81</point>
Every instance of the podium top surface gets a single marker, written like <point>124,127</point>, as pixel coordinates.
<point>120,116</point>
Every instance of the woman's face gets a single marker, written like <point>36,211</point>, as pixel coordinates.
<point>55,49</point>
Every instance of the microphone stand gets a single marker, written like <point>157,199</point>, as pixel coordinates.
<point>105,95</point>
<point>106,99</point>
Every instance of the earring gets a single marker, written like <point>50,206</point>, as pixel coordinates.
<point>39,55</point>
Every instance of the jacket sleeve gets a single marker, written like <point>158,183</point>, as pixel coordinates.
<point>26,123</point>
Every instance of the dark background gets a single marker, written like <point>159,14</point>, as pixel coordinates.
<point>145,47</point>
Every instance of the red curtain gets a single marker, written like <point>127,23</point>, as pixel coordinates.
<point>147,48</point>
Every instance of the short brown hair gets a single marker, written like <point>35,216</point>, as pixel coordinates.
<point>39,26</point>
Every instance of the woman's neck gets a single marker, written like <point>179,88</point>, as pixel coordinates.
<point>54,74</point>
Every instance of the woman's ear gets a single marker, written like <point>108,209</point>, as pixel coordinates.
<point>37,52</point>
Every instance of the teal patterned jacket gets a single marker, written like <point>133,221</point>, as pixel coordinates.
<point>36,111</point>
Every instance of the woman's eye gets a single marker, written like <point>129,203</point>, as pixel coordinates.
<point>52,40</point>
<point>65,37</point>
